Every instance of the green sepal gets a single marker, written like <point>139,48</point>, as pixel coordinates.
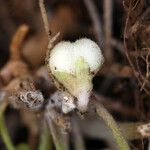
<point>79,79</point>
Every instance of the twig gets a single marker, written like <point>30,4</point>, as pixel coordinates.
<point>95,19</point>
<point>15,67</point>
<point>17,41</point>
<point>138,53</point>
<point>108,119</point>
<point>126,49</point>
<point>108,29</point>
<point>51,40</point>
<point>45,18</point>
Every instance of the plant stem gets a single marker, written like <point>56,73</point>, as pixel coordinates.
<point>46,141</point>
<point>56,134</point>
<point>108,119</point>
<point>95,18</point>
<point>3,130</point>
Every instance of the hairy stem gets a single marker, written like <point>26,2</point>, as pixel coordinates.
<point>108,119</point>
<point>56,134</point>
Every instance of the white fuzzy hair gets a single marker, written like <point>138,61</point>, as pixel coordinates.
<point>64,55</point>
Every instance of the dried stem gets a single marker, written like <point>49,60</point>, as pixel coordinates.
<point>108,119</point>
<point>15,67</point>
<point>108,29</point>
<point>45,18</point>
<point>51,40</point>
<point>95,19</point>
<point>126,49</point>
<point>17,41</point>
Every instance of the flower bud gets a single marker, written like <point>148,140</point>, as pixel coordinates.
<point>74,65</point>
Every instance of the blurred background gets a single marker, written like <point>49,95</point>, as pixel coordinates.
<point>122,30</point>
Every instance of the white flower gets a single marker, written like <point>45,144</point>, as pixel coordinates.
<point>74,65</point>
<point>64,55</point>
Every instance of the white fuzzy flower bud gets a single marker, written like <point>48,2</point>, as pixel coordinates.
<point>74,65</point>
<point>64,55</point>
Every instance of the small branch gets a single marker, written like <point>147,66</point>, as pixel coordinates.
<point>95,19</point>
<point>108,28</point>
<point>108,119</point>
<point>15,67</point>
<point>45,18</point>
<point>137,75</point>
<point>17,41</point>
<point>51,40</point>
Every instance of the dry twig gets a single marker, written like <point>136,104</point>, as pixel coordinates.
<point>17,41</point>
<point>108,29</point>
<point>15,66</point>
<point>95,20</point>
